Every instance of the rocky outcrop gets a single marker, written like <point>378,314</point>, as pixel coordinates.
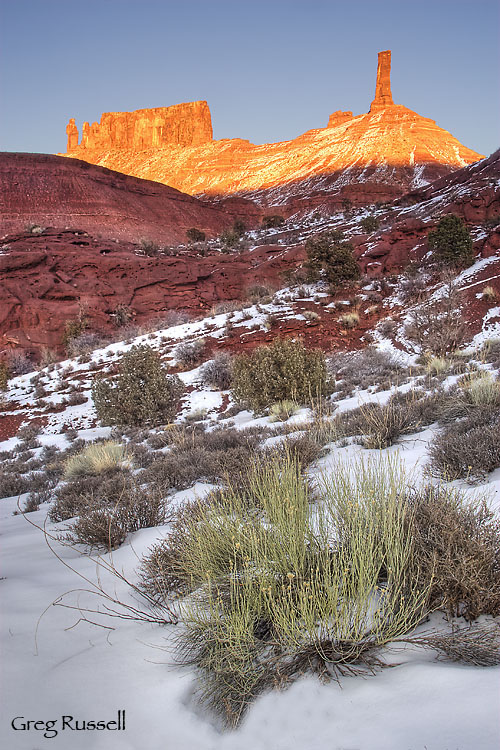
<point>368,157</point>
<point>48,279</point>
<point>188,124</point>
<point>52,191</point>
<point>383,95</point>
<point>472,193</point>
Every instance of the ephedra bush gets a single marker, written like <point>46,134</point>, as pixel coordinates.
<point>273,594</point>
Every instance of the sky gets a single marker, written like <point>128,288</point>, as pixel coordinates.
<point>269,70</point>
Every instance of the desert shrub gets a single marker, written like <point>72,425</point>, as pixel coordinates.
<point>73,329</point>
<point>457,543</point>
<point>349,320</point>
<point>437,365</point>
<point>272,599</point>
<point>383,425</point>
<point>19,363</point>
<point>370,223</point>
<point>4,376</point>
<point>208,460</point>
<point>81,492</point>
<point>283,410</point>
<point>303,449</point>
<point>122,315</point>
<point>95,459</point>
<point>489,294</point>
<point>84,343</point>
<point>76,398</point>
<point>149,247</point>
<point>467,449</point>
<point>482,389</point>
<point>329,253</point>
<point>490,352</point>
<point>310,315</point>
<point>12,485</point>
<point>195,235</point>
<point>189,353</point>
<point>272,221</point>
<point>366,368</point>
<point>239,228</point>
<point>141,393</point>
<point>217,372</point>
<point>438,326</point>
<point>257,292</point>
<point>108,526</point>
<point>451,241</point>
<point>281,371</point>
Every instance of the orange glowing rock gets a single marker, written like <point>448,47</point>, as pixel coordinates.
<point>387,151</point>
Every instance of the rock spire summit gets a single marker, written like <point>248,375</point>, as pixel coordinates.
<point>383,96</point>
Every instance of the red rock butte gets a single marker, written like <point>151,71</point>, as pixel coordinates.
<point>383,153</point>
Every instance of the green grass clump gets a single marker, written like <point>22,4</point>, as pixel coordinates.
<point>283,410</point>
<point>290,587</point>
<point>482,390</point>
<point>96,458</point>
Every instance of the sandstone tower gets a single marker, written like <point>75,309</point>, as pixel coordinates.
<point>383,96</point>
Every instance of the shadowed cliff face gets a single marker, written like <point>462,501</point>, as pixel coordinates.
<point>390,146</point>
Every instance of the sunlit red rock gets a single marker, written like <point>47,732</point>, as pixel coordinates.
<point>368,157</point>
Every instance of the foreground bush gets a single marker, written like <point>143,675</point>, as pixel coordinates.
<point>283,371</point>
<point>274,595</point>
<point>141,393</point>
<point>457,543</point>
<point>287,590</point>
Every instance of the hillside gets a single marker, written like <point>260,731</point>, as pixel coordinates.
<point>51,191</point>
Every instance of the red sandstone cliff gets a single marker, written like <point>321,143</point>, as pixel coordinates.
<point>369,157</point>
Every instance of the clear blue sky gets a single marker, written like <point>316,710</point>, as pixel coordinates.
<point>269,70</point>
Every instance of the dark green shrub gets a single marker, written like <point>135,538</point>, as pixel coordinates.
<point>273,221</point>
<point>370,223</point>
<point>141,393</point>
<point>283,370</point>
<point>328,252</point>
<point>149,247</point>
<point>451,241</point>
<point>239,228</point>
<point>231,237</point>
<point>195,235</point>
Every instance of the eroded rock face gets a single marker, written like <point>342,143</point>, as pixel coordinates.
<point>188,124</point>
<point>47,279</point>
<point>384,153</point>
<point>53,191</point>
